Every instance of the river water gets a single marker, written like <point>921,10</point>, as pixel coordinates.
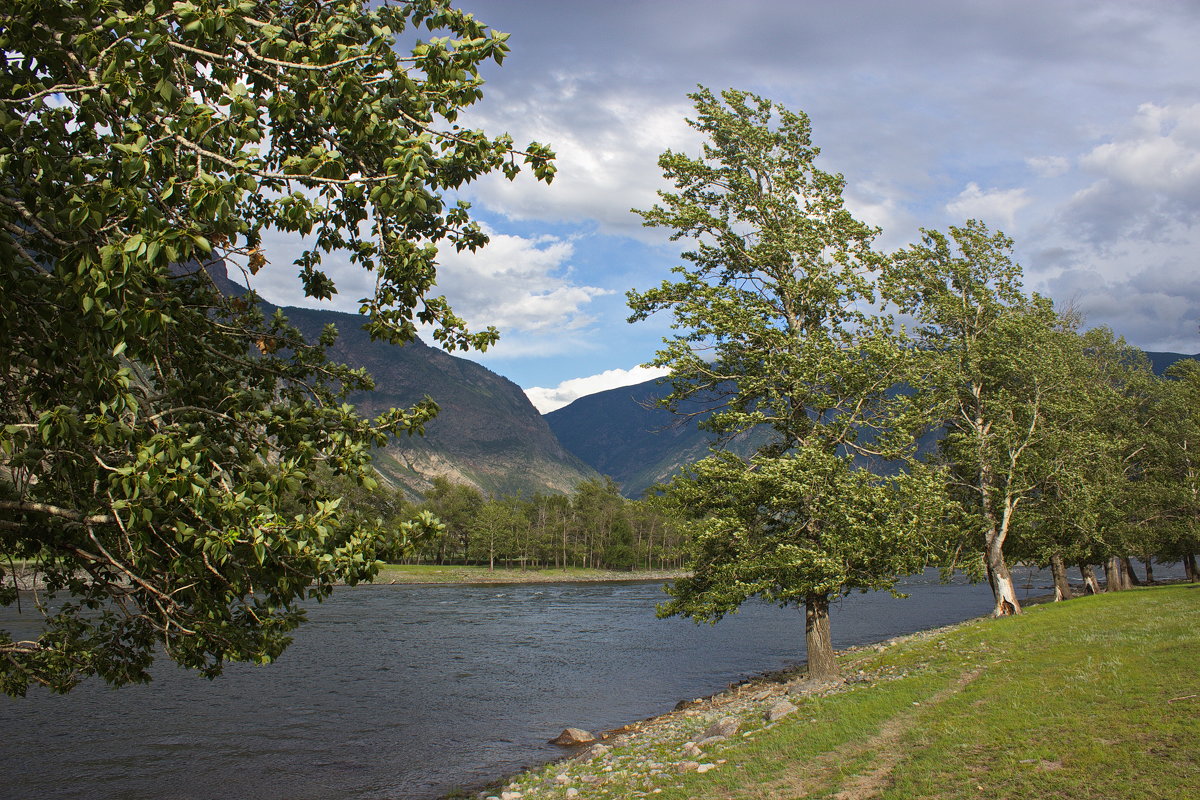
<point>415,691</point>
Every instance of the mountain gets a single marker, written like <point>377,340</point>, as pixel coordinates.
<point>621,433</point>
<point>487,434</point>
<point>1160,361</point>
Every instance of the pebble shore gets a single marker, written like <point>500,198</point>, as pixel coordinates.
<point>640,759</point>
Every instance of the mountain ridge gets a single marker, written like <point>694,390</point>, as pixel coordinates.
<point>487,434</point>
<point>621,433</point>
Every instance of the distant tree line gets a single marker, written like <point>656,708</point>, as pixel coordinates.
<point>455,523</point>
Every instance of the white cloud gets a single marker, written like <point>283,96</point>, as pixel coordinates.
<point>990,205</point>
<point>1048,166</point>
<point>877,205</point>
<point>607,161</point>
<point>1144,180</point>
<point>548,399</point>
<point>516,284</point>
<point>1163,155</point>
<point>524,286</point>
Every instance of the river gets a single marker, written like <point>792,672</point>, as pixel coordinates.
<point>414,691</point>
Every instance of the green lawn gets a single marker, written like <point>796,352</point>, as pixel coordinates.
<point>1095,698</point>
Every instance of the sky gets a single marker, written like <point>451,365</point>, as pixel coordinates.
<point>1071,125</point>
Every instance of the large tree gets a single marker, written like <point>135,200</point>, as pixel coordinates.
<point>1092,493</point>
<point>1176,463</point>
<point>998,376</point>
<point>158,437</point>
<point>777,329</point>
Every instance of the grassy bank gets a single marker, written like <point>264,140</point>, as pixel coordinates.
<point>424,573</point>
<point>1098,697</point>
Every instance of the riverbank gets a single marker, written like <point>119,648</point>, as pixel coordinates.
<point>1096,697</point>
<point>427,573</point>
<point>27,580</point>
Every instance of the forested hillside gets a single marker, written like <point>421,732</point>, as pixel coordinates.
<point>624,434</point>
<point>487,434</point>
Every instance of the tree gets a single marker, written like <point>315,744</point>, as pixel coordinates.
<point>1091,500</point>
<point>996,378</point>
<point>601,523</point>
<point>776,329</point>
<point>456,506</point>
<point>1126,480</point>
<point>153,429</point>
<point>1177,434</point>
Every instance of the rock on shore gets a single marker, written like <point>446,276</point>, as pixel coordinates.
<point>648,755</point>
<point>571,737</point>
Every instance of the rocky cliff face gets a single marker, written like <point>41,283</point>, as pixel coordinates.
<point>487,435</point>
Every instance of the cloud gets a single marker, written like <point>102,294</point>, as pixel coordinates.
<point>278,281</point>
<point>990,205</point>
<point>517,284</point>
<point>607,152</point>
<point>1154,307</point>
<point>1048,166</point>
<point>524,286</point>
<point>549,399</point>
<point>1162,155</point>
<point>878,206</point>
<point>1142,178</point>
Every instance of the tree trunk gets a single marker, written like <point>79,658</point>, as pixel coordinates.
<point>1189,564</point>
<point>1062,587</point>
<point>1090,584</point>
<point>821,661</point>
<point>1114,577</point>
<point>1001,580</point>
<point>1131,578</point>
<point>1149,571</point>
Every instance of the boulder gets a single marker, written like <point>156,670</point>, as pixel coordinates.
<point>726,726</point>
<point>779,710</point>
<point>693,750</point>
<point>571,737</point>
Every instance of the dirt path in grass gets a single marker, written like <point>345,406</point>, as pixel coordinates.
<point>821,774</point>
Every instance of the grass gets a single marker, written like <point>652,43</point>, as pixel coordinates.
<point>1097,697</point>
<point>427,573</point>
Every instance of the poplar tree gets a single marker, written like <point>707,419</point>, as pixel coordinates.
<point>158,438</point>
<point>778,329</point>
<point>1177,461</point>
<point>997,377</point>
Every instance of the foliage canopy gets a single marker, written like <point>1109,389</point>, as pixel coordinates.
<point>779,327</point>
<point>159,439</point>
